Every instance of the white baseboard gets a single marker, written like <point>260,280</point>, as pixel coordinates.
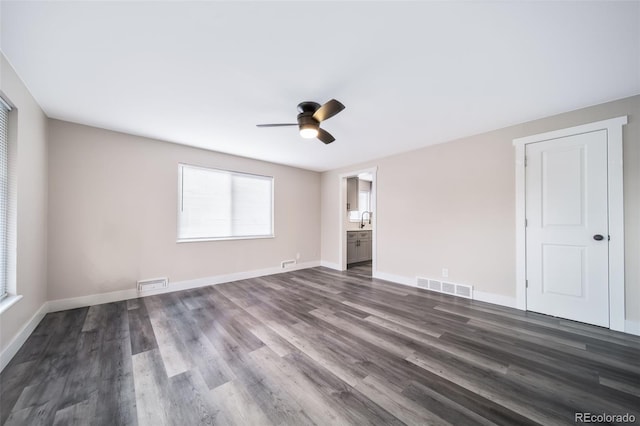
<point>116,296</point>
<point>330,265</point>
<point>632,327</point>
<point>92,299</point>
<point>236,276</point>
<point>496,299</point>
<point>398,279</point>
<point>18,340</point>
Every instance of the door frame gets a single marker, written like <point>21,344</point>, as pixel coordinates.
<point>613,127</point>
<point>342,240</point>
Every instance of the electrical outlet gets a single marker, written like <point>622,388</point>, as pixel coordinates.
<point>445,272</point>
<point>297,256</point>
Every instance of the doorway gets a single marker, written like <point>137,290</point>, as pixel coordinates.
<point>357,219</point>
<point>570,236</point>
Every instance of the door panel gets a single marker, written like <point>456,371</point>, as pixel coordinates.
<point>562,270</point>
<point>563,186</point>
<point>566,205</point>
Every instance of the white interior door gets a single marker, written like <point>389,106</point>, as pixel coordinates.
<point>566,213</point>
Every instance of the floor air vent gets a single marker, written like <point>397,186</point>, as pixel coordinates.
<point>460,290</point>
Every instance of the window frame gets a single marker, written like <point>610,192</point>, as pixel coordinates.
<point>12,296</point>
<point>4,224</point>
<point>179,203</point>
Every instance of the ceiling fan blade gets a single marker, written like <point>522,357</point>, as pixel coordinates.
<point>276,125</point>
<point>325,136</point>
<point>328,110</point>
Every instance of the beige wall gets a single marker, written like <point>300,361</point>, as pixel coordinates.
<point>113,214</point>
<point>28,133</point>
<point>452,206</point>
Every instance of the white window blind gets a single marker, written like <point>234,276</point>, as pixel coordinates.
<point>4,196</point>
<point>219,204</point>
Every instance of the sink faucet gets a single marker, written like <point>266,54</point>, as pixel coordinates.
<point>362,218</point>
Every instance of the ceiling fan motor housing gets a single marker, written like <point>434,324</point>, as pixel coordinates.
<point>305,119</point>
<point>308,107</point>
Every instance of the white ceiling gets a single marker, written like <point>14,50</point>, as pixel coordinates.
<point>410,73</point>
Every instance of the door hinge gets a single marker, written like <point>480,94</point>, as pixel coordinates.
<point>525,161</point>
<point>348,206</point>
<point>526,283</point>
<point>526,223</point>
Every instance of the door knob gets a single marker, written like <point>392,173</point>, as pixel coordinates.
<point>598,237</point>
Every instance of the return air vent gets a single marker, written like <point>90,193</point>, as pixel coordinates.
<point>152,284</point>
<point>464,291</point>
<point>435,285</point>
<point>449,288</point>
<point>460,290</point>
<point>286,263</point>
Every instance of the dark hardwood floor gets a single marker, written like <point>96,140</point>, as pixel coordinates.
<point>315,347</point>
<point>360,269</point>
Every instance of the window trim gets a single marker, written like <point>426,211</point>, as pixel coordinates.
<point>9,301</point>
<point>7,298</point>
<point>226,238</point>
<point>12,296</point>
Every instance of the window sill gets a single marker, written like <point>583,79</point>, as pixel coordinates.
<point>195,240</point>
<point>9,301</point>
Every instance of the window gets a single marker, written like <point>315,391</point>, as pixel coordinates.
<point>4,197</point>
<point>364,205</point>
<point>364,197</point>
<point>219,204</point>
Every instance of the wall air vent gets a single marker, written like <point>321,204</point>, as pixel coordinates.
<point>152,284</point>
<point>423,282</point>
<point>286,263</point>
<point>448,288</point>
<point>460,290</point>
<point>464,291</point>
<point>435,285</point>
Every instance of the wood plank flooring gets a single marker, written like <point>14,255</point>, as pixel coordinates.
<point>315,347</point>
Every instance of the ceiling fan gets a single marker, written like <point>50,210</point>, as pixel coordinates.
<point>311,114</point>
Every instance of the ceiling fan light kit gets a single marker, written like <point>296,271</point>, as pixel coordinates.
<point>311,114</point>
<point>308,125</point>
<point>308,131</point>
